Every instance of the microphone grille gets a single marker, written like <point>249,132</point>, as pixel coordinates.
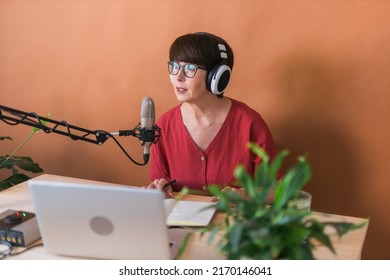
<point>147,108</point>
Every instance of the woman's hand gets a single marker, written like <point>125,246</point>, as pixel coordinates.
<point>159,184</point>
<point>242,194</point>
<point>239,191</point>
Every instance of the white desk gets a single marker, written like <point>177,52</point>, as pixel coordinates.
<point>348,247</point>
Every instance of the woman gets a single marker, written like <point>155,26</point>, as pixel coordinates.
<point>204,138</point>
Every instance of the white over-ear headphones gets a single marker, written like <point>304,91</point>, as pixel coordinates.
<point>218,76</point>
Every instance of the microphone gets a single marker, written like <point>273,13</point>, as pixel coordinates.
<point>147,129</point>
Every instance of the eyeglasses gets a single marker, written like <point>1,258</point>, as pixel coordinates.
<point>189,69</point>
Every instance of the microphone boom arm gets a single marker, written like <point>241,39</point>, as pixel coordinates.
<point>59,127</point>
<point>15,117</point>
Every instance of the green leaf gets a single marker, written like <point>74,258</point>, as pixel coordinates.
<point>342,227</point>
<point>36,129</point>
<point>277,164</point>
<point>234,236</point>
<point>213,232</point>
<point>25,163</point>
<point>245,180</point>
<point>182,193</point>
<point>258,151</point>
<point>5,138</point>
<point>302,252</point>
<point>262,180</point>
<point>302,176</point>
<point>264,190</point>
<point>292,182</point>
<point>184,244</point>
<point>223,203</point>
<point>317,232</point>
<point>282,193</point>
<point>13,180</point>
<point>289,216</point>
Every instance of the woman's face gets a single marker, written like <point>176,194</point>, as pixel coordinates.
<point>189,89</point>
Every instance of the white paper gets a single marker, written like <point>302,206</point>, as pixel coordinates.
<point>188,213</point>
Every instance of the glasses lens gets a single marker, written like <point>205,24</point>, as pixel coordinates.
<point>190,70</point>
<point>173,67</point>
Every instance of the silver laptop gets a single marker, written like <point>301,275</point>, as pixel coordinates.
<point>90,219</point>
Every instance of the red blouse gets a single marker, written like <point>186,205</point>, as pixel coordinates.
<point>176,155</point>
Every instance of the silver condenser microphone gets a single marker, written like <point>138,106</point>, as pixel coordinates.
<point>148,118</point>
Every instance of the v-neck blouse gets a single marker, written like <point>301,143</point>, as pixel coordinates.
<point>176,155</point>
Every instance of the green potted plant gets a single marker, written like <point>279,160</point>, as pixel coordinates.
<point>15,164</point>
<point>254,229</point>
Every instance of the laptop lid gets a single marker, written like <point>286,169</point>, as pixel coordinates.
<point>90,219</point>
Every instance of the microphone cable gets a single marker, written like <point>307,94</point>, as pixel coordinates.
<point>142,134</point>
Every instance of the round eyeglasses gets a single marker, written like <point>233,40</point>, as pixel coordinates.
<point>188,68</point>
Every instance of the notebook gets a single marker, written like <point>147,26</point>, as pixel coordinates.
<point>91,219</point>
<point>188,213</point>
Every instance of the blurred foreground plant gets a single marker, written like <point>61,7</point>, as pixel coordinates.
<point>254,229</point>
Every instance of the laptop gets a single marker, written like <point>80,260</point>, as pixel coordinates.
<point>91,219</point>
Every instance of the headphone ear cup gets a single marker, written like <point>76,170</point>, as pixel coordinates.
<point>218,78</point>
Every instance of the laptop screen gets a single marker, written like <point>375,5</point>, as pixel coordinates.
<point>90,219</point>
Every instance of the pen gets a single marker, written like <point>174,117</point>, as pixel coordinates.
<point>169,184</point>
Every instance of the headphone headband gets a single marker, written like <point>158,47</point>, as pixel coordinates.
<point>218,76</point>
<point>222,48</point>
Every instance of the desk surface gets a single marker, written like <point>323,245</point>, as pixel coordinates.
<point>348,247</point>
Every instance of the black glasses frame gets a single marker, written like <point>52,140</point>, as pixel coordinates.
<point>185,67</point>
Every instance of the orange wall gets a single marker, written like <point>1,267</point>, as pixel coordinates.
<point>318,72</point>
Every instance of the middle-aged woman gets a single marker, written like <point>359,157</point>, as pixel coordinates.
<point>204,138</point>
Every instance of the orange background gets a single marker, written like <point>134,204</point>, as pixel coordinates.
<point>317,71</point>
